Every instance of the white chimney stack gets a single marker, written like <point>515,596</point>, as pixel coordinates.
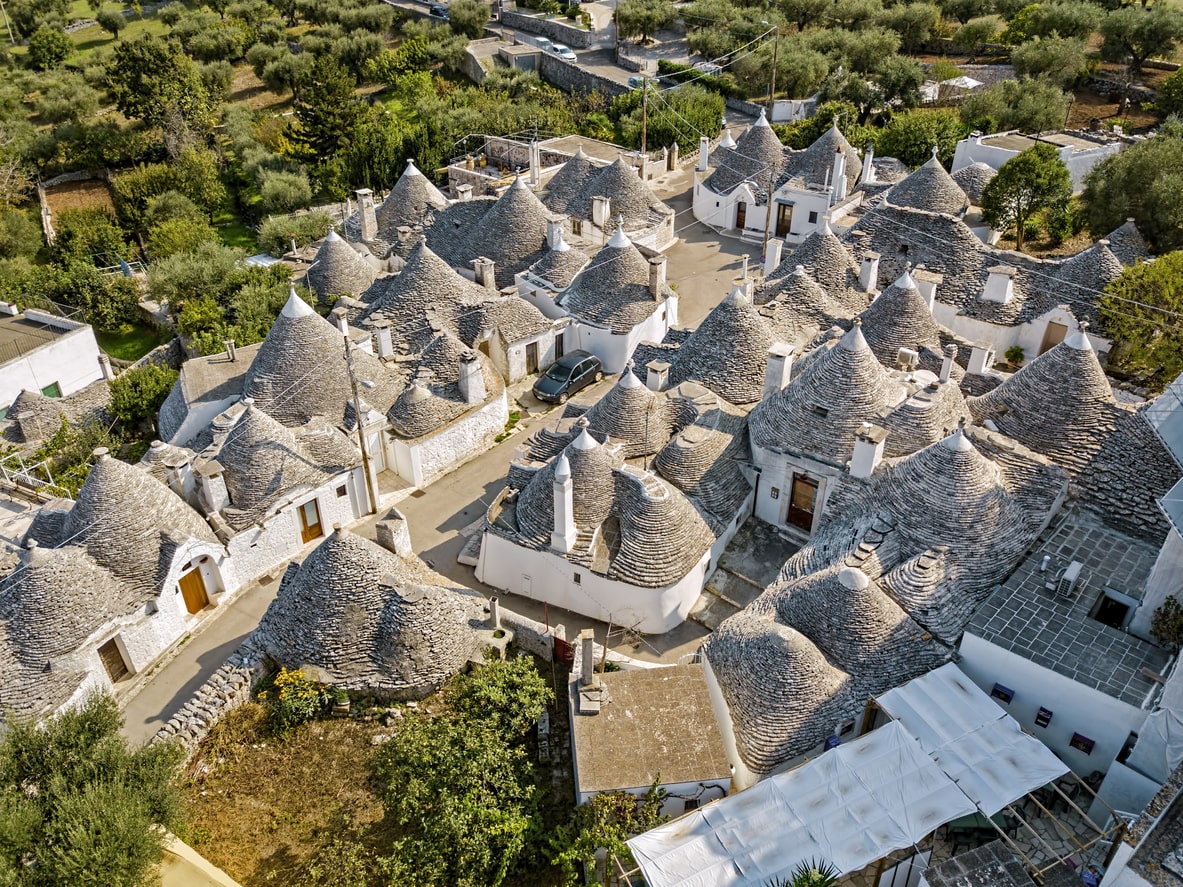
<point>105,367</point>
<point>535,164</point>
<point>601,211</point>
<point>1000,285</point>
<point>868,176</point>
<point>588,676</point>
<point>563,537</point>
<point>554,231</point>
<point>366,213</point>
<point>385,344</point>
<point>658,374</point>
<point>472,380</point>
<point>868,450</point>
<point>704,154</point>
<point>839,176</point>
<point>779,369</point>
<point>484,272</point>
<point>212,486</point>
<point>342,321</point>
<point>868,273</point>
<point>981,359</point>
<point>772,255</point>
<point>463,193</point>
<point>657,276</point>
<point>947,363</point>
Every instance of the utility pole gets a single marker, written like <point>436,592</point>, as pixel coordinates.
<point>644,112</point>
<point>768,217</point>
<point>371,493</point>
<point>772,82</point>
<point>7,23</point>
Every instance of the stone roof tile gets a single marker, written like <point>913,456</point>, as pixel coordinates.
<point>339,269</point>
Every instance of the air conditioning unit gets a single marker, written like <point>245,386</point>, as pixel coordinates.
<point>1068,580</point>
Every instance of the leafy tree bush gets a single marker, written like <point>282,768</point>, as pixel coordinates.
<point>174,236</point>
<point>289,72</point>
<point>1064,18</point>
<point>1139,311</point>
<point>641,19</point>
<point>863,50</point>
<point>150,79</point>
<point>914,22</point>
<point>977,31</point>
<point>1032,105</point>
<point>26,16</point>
<point>1134,34</point>
<point>1143,182</point>
<point>801,134</point>
<point>276,234</point>
<point>112,21</point>
<point>20,234</point>
<point>964,10</point>
<point>66,97</point>
<point>80,806</point>
<point>605,822</point>
<point>509,694</point>
<point>217,78</point>
<point>168,206</point>
<point>327,111</point>
<point>1170,95</point>
<point>910,137</point>
<point>48,48</point>
<point>1034,181</point>
<point>1062,61</point>
<point>90,235</point>
<point>468,17</point>
<point>293,699</point>
<point>137,394</point>
<point>284,192</point>
<point>196,174</point>
<point>677,116</point>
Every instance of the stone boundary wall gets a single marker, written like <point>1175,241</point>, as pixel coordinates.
<point>170,354</point>
<point>640,65</point>
<point>227,689</point>
<point>572,78</point>
<point>531,636</point>
<point>743,107</point>
<point>553,29</point>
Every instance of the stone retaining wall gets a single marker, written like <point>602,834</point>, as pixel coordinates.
<point>531,636</point>
<point>572,78</point>
<point>555,30</point>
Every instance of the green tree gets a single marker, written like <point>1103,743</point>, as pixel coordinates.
<point>468,17</point>
<point>48,48</point>
<point>290,72</point>
<point>284,192</point>
<point>172,236</point>
<point>976,32</point>
<point>217,78</point>
<point>910,137</point>
<point>20,234</point>
<point>1034,181</point>
<point>1140,310</point>
<point>210,270</point>
<point>89,235</point>
<point>804,13</point>
<point>150,79</point>
<point>1170,95</point>
<point>605,822</point>
<point>327,111</point>
<point>964,10</point>
<point>277,233</point>
<point>642,18</point>
<point>80,806</point>
<point>914,22</point>
<point>137,394</point>
<point>510,694</point>
<point>112,21</point>
<point>1019,25</point>
<point>1134,34</point>
<point>676,116</point>
<point>66,98</point>
<point>26,16</point>
<point>1166,624</point>
<point>1063,61</point>
<point>1144,182</point>
<point>1064,18</point>
<point>1031,105</point>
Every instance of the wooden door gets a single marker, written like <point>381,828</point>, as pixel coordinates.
<point>1052,336</point>
<point>784,218</point>
<point>558,346</point>
<point>309,521</point>
<point>531,357</point>
<point>741,215</point>
<point>193,591</point>
<point>112,660</point>
<point>802,502</point>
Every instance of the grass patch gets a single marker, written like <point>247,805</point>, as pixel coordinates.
<point>238,235</point>
<point>132,341</point>
<point>514,417</point>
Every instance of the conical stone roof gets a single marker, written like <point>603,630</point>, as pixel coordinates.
<point>409,201</point>
<point>819,412</point>
<point>512,233</point>
<point>758,157</point>
<point>830,264</point>
<point>34,416</point>
<point>815,164</point>
<point>568,181</point>
<point>930,189</point>
<point>628,195</point>
<point>592,486</point>
<point>728,351</point>
<point>1083,276</point>
<point>299,370</point>
<point>614,289</point>
<point>338,269</point>
<point>129,523</point>
<point>899,318</point>
<point>367,620</point>
<point>632,414</point>
<point>1127,243</point>
<point>973,180</point>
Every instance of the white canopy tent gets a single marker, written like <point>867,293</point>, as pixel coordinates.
<point>851,806</point>
<point>977,744</point>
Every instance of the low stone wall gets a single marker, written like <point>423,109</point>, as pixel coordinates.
<point>553,29</point>
<point>170,354</point>
<point>227,689</point>
<point>572,78</point>
<point>531,636</point>
<point>640,65</point>
<point>750,108</point>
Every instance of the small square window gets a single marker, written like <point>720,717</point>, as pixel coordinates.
<point>342,492</point>
<point>813,218</point>
<point>578,579</point>
<point>1002,694</point>
<point>775,494</point>
<point>846,728</point>
<point>689,804</point>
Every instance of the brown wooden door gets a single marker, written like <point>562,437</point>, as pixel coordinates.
<point>531,357</point>
<point>193,590</point>
<point>801,502</point>
<point>309,521</point>
<point>558,346</point>
<point>741,215</point>
<point>784,218</point>
<point>112,660</point>
<point>1052,336</point>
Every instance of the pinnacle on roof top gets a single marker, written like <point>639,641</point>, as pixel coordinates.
<point>727,141</point>
<point>854,578</point>
<point>906,281</point>
<point>412,169</point>
<point>628,379</point>
<point>562,468</point>
<point>332,236</point>
<point>1079,339</point>
<point>854,340</point>
<point>762,120</point>
<point>957,441</point>
<point>295,306</point>
<point>585,441</point>
<point>619,239</point>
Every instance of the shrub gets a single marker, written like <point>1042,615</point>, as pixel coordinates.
<point>276,234</point>
<point>136,395</point>
<point>1166,625</point>
<point>293,699</point>
<point>283,192</point>
<point>1014,354</point>
<point>48,48</point>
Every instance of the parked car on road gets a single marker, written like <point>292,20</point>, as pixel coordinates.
<point>438,10</point>
<point>572,372</point>
<point>544,44</point>
<point>564,52</point>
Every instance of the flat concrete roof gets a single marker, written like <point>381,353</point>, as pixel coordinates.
<point>19,336</point>
<point>596,150</point>
<point>216,376</point>
<point>656,721</point>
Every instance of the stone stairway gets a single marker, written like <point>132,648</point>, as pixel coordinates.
<point>725,594</point>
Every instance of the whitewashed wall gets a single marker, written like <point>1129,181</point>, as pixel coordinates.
<point>776,472</point>
<point>1028,336</point>
<point>615,349</point>
<point>1165,579</point>
<point>424,459</point>
<point>71,360</point>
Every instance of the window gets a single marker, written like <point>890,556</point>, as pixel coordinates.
<point>578,579</point>
<point>1082,743</point>
<point>52,390</point>
<point>813,218</point>
<point>577,226</point>
<point>1111,610</point>
<point>342,492</point>
<point>1002,694</point>
<point>846,728</point>
<point>689,804</point>
<point>774,493</point>
<point>819,411</point>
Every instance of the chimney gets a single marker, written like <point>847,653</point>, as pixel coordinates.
<point>587,670</point>
<point>29,552</point>
<point>495,612</point>
<point>907,359</point>
<point>105,367</point>
<point>868,176</point>
<point>657,276</point>
<point>366,214</point>
<point>981,359</point>
<point>601,211</point>
<point>672,157</point>
<point>472,380</point>
<point>483,269</point>
<point>1000,285</point>
<point>342,321</point>
<point>535,164</point>
<point>839,177</point>
<point>295,249</point>
<point>211,486</point>
<point>926,285</point>
<point>704,154</point>
<point>868,273</point>
<point>658,374</point>
<point>772,255</point>
<point>562,538</point>
<point>554,231</point>
<point>778,370</point>
<point>947,362</point>
<point>464,193</point>
<point>868,450</point>
<point>393,534</point>
<point>385,344</point>
<point>231,350</point>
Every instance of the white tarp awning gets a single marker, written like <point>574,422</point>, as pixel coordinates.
<point>963,82</point>
<point>977,744</point>
<point>851,806</point>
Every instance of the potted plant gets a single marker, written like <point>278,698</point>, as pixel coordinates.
<point>1014,355</point>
